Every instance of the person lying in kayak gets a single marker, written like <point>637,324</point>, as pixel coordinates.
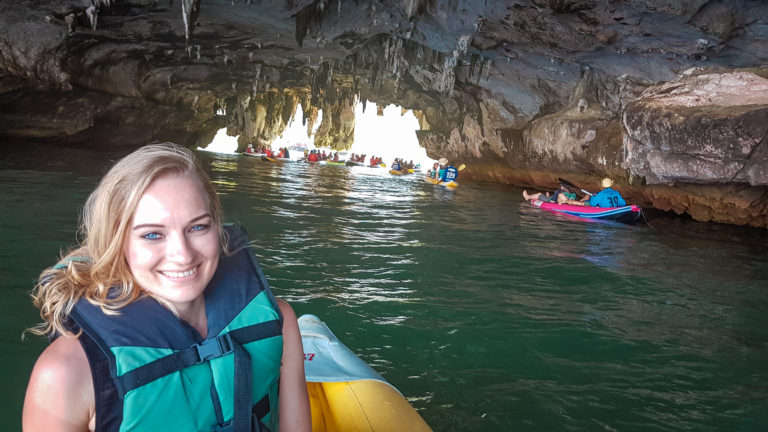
<point>608,197</point>
<point>560,196</point>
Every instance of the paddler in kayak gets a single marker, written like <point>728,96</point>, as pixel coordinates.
<point>432,173</point>
<point>313,157</point>
<point>448,173</point>
<point>607,197</point>
<point>562,195</point>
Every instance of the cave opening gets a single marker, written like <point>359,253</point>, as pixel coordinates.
<point>384,131</point>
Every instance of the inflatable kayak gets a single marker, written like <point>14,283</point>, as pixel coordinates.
<point>355,163</point>
<point>399,172</point>
<point>448,185</point>
<point>346,394</point>
<point>255,154</point>
<point>626,214</point>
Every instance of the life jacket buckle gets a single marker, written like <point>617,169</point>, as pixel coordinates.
<point>214,348</point>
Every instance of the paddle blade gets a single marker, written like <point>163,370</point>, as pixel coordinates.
<point>462,166</point>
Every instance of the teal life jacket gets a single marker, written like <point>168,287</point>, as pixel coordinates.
<point>154,372</point>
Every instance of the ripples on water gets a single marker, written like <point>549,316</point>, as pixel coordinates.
<point>486,313</point>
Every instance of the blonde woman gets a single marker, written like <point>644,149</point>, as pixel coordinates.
<point>162,319</point>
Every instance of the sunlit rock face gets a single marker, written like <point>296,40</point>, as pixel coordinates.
<point>522,91</point>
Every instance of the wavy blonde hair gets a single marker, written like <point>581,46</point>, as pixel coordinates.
<point>98,263</point>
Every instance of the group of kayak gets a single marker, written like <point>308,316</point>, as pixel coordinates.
<point>608,204</point>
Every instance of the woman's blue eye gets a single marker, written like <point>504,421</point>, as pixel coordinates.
<point>200,227</point>
<point>151,236</point>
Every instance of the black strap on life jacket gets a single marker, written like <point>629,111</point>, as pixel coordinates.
<point>207,350</point>
<point>198,353</point>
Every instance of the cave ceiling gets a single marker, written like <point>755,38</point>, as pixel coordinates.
<point>185,60</point>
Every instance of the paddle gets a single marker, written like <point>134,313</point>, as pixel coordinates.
<point>567,183</point>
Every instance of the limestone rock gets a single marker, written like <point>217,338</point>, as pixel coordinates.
<point>700,128</point>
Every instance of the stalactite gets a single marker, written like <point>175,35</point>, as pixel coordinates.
<point>306,105</point>
<point>414,8</point>
<point>472,62</point>
<point>411,6</point>
<point>190,10</point>
<point>289,107</point>
<point>69,19</point>
<point>311,120</point>
<point>485,65</point>
<point>92,12</point>
<point>305,17</point>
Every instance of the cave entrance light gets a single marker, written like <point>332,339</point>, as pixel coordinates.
<point>295,133</point>
<point>389,136</point>
<point>222,143</point>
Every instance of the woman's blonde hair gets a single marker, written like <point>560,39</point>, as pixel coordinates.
<point>97,269</point>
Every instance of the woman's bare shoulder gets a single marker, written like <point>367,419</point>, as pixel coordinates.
<point>60,391</point>
<point>285,308</point>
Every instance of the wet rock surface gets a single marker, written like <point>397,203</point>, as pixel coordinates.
<point>665,96</point>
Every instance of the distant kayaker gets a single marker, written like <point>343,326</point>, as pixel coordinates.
<point>608,197</point>
<point>249,149</point>
<point>432,173</point>
<point>312,156</point>
<point>396,165</point>
<point>448,173</point>
<point>560,196</point>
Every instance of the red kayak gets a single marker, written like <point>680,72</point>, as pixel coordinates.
<point>626,214</point>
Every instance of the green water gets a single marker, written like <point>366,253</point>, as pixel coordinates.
<point>487,314</point>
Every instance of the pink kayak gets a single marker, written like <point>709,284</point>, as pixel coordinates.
<point>625,214</point>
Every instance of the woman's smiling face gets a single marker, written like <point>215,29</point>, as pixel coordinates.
<point>172,247</point>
